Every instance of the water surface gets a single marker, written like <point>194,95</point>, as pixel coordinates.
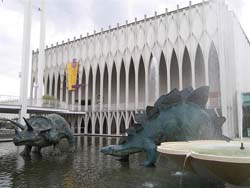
<point>89,168</point>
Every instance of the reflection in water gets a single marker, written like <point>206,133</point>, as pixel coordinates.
<point>89,168</point>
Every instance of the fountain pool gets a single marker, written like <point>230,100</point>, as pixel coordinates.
<point>221,159</point>
<point>87,167</point>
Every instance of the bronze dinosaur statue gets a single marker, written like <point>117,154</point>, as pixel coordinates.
<point>177,116</point>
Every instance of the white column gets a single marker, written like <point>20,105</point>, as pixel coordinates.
<point>109,90</point>
<point>101,92</point>
<point>168,74</point>
<point>79,121</point>
<point>127,85</point>
<point>93,91</point>
<point>41,60</point>
<point>50,85</point>
<point>117,123</point>
<point>61,87</point>
<point>56,86</point>
<point>136,87</point>
<point>109,123</point>
<point>80,92</point>
<point>101,123</point>
<point>86,94</point>
<point>118,89</point>
<point>25,60</point>
<point>86,123</point>
<point>146,85</point>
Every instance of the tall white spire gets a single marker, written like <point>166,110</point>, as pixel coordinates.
<point>25,59</point>
<point>41,60</point>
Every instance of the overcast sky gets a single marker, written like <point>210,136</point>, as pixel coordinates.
<point>69,18</point>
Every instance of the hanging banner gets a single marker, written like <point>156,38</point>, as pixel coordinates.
<point>72,71</point>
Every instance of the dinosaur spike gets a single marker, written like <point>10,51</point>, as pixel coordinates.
<point>169,99</point>
<point>199,96</point>
<point>131,131</point>
<point>15,123</point>
<point>28,125</point>
<point>152,112</point>
<point>140,118</point>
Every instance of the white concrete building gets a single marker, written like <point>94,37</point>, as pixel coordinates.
<point>128,67</point>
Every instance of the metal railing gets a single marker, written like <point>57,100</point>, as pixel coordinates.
<point>53,103</point>
<point>41,103</point>
<point>9,99</point>
<point>115,107</point>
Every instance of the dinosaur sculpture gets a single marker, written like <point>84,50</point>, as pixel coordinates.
<point>41,131</point>
<point>177,116</point>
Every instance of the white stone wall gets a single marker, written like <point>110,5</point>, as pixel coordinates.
<point>128,67</point>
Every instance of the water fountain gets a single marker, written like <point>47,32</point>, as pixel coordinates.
<point>221,159</point>
<point>228,161</point>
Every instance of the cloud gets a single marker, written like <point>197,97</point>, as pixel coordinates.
<point>66,19</point>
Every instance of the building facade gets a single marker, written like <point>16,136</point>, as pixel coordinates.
<point>125,68</point>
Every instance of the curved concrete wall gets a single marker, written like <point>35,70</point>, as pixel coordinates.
<point>128,67</point>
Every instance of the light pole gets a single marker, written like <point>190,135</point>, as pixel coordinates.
<point>25,59</point>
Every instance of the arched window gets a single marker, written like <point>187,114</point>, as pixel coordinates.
<point>163,75</point>
<point>214,78</point>
<point>174,71</point>
<point>199,68</point>
<point>186,70</point>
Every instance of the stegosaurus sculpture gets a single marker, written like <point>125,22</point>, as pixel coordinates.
<point>177,116</point>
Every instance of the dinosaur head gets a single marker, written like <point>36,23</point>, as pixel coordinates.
<point>28,136</point>
<point>119,150</point>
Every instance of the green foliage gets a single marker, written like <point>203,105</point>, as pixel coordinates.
<point>48,97</point>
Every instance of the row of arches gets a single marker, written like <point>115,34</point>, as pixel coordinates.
<point>161,79</point>
<point>98,127</point>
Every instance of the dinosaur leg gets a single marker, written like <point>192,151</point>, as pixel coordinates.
<point>56,150</point>
<point>36,150</point>
<point>124,158</point>
<point>71,140</point>
<point>150,149</point>
<point>26,151</point>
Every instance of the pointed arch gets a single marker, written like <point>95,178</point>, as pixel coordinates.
<point>174,71</point>
<point>186,70</point>
<point>53,86</point>
<point>64,87</point>
<point>82,125</point>
<point>141,81</point>
<point>113,126</point>
<point>122,126</point>
<point>131,122</point>
<point>199,68</point>
<point>105,85</point>
<point>113,84</point>
<point>122,83</point>
<point>89,126</point>
<point>214,77</point>
<point>152,81</point>
<point>163,75</point>
<point>58,87</point>
<point>97,85</point>
<point>83,87</point>
<point>90,86</point>
<point>75,126</point>
<point>105,126</point>
<point>97,126</point>
<point>131,78</point>
<point>48,86</point>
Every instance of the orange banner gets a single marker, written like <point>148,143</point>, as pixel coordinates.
<point>72,71</point>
